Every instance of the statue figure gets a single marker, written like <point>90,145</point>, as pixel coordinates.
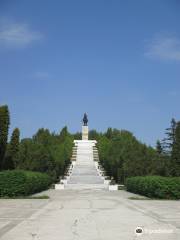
<point>85,120</point>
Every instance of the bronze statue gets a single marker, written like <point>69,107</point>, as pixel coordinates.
<point>85,120</point>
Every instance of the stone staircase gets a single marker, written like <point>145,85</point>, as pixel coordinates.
<point>84,173</point>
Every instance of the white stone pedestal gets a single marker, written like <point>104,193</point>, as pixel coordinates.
<point>85,132</point>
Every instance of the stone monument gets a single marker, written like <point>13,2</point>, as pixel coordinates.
<point>84,172</point>
<point>85,130</point>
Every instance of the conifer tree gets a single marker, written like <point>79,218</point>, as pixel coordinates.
<point>176,152</point>
<point>63,134</point>
<point>169,140</point>
<point>14,146</point>
<point>109,133</point>
<point>4,127</point>
<point>159,148</point>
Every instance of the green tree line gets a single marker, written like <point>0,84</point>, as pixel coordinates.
<point>45,152</point>
<point>123,156</point>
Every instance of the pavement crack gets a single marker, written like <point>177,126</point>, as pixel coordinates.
<point>74,229</point>
<point>34,236</point>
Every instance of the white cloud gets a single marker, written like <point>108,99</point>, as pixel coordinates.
<point>17,34</point>
<point>164,48</point>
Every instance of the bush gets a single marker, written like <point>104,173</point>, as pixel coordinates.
<point>155,186</point>
<point>22,183</point>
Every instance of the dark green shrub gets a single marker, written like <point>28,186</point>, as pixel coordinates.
<point>22,183</point>
<point>155,186</point>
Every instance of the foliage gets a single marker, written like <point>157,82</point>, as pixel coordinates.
<point>159,148</point>
<point>46,152</point>
<point>4,127</point>
<point>94,135</point>
<point>168,141</point>
<point>176,152</point>
<point>155,186</point>
<point>77,136</point>
<point>63,134</point>
<point>109,133</point>
<point>12,153</point>
<point>22,183</point>
<point>122,156</point>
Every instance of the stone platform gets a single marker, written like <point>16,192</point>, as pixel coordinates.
<point>84,174</point>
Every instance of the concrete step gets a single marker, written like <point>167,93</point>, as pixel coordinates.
<point>84,173</point>
<point>85,179</point>
<point>86,186</point>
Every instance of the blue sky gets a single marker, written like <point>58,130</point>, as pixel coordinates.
<point>119,61</point>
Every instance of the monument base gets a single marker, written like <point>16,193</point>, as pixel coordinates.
<point>85,132</point>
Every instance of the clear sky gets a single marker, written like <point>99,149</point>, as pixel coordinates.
<point>117,60</point>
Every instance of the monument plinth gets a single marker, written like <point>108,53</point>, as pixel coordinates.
<point>85,128</point>
<point>85,132</point>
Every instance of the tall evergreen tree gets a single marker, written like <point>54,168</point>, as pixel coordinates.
<point>14,146</point>
<point>4,127</point>
<point>159,148</point>
<point>169,140</point>
<point>176,152</point>
<point>63,134</point>
<point>109,133</point>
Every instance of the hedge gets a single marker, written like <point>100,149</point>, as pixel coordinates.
<point>155,186</point>
<point>22,183</point>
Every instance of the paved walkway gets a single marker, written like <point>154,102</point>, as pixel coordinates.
<point>88,215</point>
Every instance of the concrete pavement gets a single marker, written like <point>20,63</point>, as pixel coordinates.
<point>88,215</point>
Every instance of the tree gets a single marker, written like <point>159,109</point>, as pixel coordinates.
<point>12,152</point>
<point>93,135</point>
<point>26,150</point>
<point>169,140</point>
<point>63,134</point>
<point>42,136</point>
<point>122,156</point>
<point>46,152</point>
<point>109,133</point>
<point>77,136</point>
<point>35,156</point>
<point>176,152</point>
<point>159,148</point>
<point>4,128</point>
